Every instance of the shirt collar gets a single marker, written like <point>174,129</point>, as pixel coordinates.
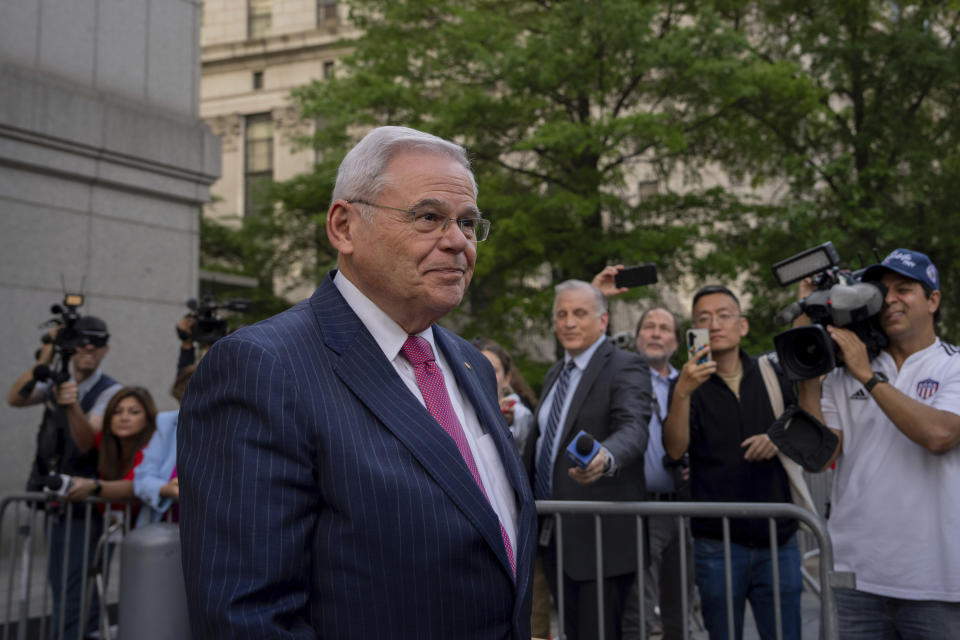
<point>671,374</point>
<point>583,359</point>
<point>388,335</point>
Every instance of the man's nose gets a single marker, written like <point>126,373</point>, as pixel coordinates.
<point>453,237</point>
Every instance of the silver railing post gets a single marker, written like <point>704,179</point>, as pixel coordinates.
<point>829,579</point>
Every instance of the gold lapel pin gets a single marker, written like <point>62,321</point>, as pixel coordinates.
<point>467,364</point>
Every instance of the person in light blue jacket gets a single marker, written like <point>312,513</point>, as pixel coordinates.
<point>155,481</point>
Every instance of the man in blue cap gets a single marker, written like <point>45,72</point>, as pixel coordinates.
<point>895,518</point>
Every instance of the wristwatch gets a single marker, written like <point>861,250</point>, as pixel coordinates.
<point>97,487</point>
<point>877,378</point>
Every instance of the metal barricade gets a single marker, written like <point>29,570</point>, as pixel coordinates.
<point>29,558</point>
<point>815,527</point>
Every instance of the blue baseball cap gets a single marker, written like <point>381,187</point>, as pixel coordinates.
<point>912,264</point>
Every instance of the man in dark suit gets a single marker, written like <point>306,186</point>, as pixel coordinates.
<point>606,392</point>
<point>345,470</point>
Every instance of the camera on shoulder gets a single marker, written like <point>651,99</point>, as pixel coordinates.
<point>841,299</point>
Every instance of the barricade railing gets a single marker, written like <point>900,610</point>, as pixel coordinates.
<point>29,534</point>
<point>682,511</point>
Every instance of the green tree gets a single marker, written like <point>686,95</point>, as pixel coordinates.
<point>561,105</point>
<point>849,110</point>
<point>838,112</point>
<point>247,248</point>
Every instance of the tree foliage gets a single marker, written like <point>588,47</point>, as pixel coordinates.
<point>834,120</point>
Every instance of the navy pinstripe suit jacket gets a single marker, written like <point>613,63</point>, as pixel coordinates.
<point>319,498</point>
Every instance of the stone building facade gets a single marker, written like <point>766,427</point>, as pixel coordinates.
<point>104,167</point>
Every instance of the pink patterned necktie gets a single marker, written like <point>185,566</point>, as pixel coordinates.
<point>430,380</point>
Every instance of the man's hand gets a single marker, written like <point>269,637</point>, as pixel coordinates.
<point>67,393</point>
<point>759,447</point>
<point>692,375</point>
<point>604,281</point>
<point>593,471</point>
<point>805,288</point>
<point>854,353</point>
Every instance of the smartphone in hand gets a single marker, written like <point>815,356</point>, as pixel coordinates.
<point>636,276</point>
<point>697,339</point>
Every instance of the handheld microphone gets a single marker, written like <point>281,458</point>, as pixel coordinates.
<point>583,449</point>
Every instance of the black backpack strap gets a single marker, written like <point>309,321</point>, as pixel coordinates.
<point>104,383</point>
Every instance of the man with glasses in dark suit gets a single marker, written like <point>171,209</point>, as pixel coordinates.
<point>345,468</point>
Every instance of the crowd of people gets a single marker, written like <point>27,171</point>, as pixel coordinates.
<point>102,439</point>
<point>350,455</point>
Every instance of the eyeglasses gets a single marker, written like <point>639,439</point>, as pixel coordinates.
<point>706,319</point>
<point>475,229</point>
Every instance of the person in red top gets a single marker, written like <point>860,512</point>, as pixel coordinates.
<point>129,423</point>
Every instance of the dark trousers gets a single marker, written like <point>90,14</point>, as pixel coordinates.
<point>65,561</point>
<point>664,581</point>
<point>580,611</point>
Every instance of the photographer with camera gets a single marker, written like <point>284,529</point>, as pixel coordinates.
<point>188,345</point>
<point>72,417</point>
<point>896,494</point>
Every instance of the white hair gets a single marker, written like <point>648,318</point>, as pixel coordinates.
<point>572,285</point>
<point>362,174</point>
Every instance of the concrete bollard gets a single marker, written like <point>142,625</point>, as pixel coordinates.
<point>153,600</point>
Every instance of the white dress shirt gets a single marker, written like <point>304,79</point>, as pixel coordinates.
<point>390,336</point>
<point>581,361</point>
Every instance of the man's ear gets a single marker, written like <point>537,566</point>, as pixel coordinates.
<point>933,302</point>
<point>744,326</point>
<point>340,221</point>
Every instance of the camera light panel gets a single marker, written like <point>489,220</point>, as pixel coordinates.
<point>806,263</point>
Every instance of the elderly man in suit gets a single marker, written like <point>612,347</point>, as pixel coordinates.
<point>345,470</point>
<point>606,392</point>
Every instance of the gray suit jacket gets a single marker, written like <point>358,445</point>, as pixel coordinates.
<point>612,403</point>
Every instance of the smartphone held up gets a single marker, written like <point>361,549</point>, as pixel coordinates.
<point>697,341</point>
<point>636,276</point>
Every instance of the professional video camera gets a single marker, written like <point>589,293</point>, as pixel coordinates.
<point>74,332</point>
<point>840,299</point>
<point>211,323</point>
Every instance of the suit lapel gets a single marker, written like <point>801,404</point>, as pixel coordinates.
<point>589,376</point>
<point>492,421</point>
<point>364,369</point>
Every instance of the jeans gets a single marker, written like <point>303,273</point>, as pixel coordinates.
<point>75,579</point>
<point>751,579</point>
<point>866,616</point>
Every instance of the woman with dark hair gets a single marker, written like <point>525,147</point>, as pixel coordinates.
<point>129,422</point>
<point>516,407</point>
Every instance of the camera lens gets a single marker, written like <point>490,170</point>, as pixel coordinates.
<point>805,352</point>
<point>808,350</point>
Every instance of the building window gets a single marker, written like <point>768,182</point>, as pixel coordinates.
<point>257,160</point>
<point>326,13</point>
<point>259,18</point>
<point>328,69</point>
<point>258,80</point>
<point>646,189</point>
